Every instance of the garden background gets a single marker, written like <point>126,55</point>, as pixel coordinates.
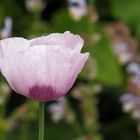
<point>104,103</point>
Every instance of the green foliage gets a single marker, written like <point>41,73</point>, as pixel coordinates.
<point>108,69</point>
<point>63,22</point>
<point>127,11</point>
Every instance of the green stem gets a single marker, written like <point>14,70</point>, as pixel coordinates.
<point>41,120</point>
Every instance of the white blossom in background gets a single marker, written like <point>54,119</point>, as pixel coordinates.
<point>135,79</point>
<point>129,97</point>
<point>35,5</point>
<point>133,68</point>
<point>131,100</point>
<point>136,114</point>
<point>131,103</point>
<point>77,8</point>
<point>123,52</point>
<point>30,4</point>
<point>7,29</point>
<point>128,102</point>
<point>57,109</point>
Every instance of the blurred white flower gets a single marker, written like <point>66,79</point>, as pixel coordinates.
<point>57,109</point>
<point>130,97</point>
<point>127,100</point>
<point>30,3</point>
<point>7,29</point>
<point>123,52</point>
<point>128,106</point>
<point>133,68</point>
<point>34,5</point>
<point>127,97</point>
<point>135,79</point>
<point>77,8</point>
<point>131,103</point>
<point>136,114</point>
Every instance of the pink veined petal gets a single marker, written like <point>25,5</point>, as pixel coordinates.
<point>64,67</point>
<point>43,73</point>
<point>12,45</point>
<point>78,65</point>
<point>17,70</point>
<point>53,74</point>
<point>66,39</point>
<point>47,69</point>
<point>25,70</point>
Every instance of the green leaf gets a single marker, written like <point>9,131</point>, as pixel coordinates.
<point>128,11</point>
<point>63,22</point>
<point>108,70</point>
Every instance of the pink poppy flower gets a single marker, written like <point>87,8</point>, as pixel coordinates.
<point>44,68</point>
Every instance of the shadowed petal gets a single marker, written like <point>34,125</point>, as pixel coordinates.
<point>77,67</point>
<point>43,93</point>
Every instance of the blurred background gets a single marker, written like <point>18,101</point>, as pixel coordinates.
<point>104,103</point>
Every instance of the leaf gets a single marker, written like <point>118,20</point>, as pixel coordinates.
<point>128,11</point>
<point>63,22</point>
<point>108,70</point>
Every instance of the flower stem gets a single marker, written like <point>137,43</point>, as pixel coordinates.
<point>41,120</point>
